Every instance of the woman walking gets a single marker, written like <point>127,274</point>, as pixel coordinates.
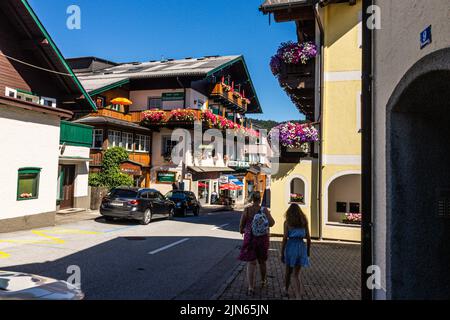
<point>255,248</point>
<point>294,252</point>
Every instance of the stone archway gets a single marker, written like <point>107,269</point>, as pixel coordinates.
<point>418,180</point>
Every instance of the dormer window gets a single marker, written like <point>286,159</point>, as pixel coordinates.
<point>48,102</point>
<point>12,93</point>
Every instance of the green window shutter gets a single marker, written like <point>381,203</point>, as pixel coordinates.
<point>74,134</point>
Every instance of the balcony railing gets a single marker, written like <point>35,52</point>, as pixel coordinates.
<point>228,96</point>
<point>140,157</point>
<point>132,116</point>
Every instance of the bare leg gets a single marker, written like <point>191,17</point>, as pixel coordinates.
<point>297,283</point>
<point>251,268</point>
<point>263,271</point>
<point>287,279</point>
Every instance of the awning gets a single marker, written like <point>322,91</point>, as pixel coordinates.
<point>235,181</point>
<point>210,169</point>
<point>230,187</point>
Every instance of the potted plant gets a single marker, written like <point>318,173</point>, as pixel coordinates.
<point>292,54</point>
<point>353,218</point>
<point>297,198</point>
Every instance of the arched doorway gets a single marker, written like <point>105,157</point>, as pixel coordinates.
<point>418,182</point>
<point>344,197</point>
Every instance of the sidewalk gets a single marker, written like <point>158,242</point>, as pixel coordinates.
<point>334,275</point>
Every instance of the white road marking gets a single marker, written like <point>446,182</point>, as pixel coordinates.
<point>220,227</point>
<point>168,246</point>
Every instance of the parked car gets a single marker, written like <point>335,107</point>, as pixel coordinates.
<point>185,201</point>
<point>143,205</point>
<point>22,286</point>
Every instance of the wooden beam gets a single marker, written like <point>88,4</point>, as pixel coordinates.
<point>303,13</point>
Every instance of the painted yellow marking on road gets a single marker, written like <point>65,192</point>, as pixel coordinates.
<point>48,235</point>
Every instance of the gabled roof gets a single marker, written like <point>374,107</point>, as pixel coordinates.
<point>109,78</point>
<point>154,69</point>
<point>21,12</point>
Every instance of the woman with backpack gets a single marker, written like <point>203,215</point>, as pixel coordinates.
<point>295,252</point>
<point>255,224</point>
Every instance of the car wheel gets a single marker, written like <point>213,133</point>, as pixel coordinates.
<point>197,211</point>
<point>147,217</point>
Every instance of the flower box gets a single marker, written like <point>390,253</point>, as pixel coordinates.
<point>352,218</point>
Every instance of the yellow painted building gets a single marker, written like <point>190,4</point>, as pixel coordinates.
<point>330,180</point>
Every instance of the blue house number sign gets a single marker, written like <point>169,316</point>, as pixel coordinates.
<point>425,37</point>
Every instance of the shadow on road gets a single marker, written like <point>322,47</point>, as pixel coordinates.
<point>134,268</point>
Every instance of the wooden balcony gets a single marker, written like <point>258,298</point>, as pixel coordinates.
<point>228,97</point>
<point>132,116</point>
<point>299,83</point>
<point>142,158</point>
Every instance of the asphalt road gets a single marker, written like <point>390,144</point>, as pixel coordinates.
<point>184,258</point>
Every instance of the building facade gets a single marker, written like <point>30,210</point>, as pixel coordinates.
<point>172,95</point>
<point>411,88</point>
<point>327,91</point>
<point>35,86</point>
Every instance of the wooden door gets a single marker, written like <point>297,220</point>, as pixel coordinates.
<point>68,177</point>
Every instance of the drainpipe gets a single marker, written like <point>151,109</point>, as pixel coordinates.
<point>183,164</point>
<point>319,119</point>
<point>366,115</point>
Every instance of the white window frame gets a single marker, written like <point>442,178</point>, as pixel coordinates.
<point>142,143</point>
<point>42,101</point>
<point>10,90</point>
<point>112,142</point>
<point>164,144</point>
<point>127,141</point>
<point>96,133</point>
<point>149,107</point>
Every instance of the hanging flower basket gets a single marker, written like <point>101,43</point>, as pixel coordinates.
<point>294,135</point>
<point>292,53</point>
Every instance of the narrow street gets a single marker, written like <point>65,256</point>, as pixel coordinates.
<point>184,258</point>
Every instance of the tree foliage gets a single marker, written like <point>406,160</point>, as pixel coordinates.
<point>111,176</point>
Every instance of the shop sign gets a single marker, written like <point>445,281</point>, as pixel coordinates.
<point>166,177</point>
<point>173,96</point>
<point>239,164</point>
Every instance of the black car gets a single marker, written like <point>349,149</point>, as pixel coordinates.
<point>136,204</point>
<point>185,201</point>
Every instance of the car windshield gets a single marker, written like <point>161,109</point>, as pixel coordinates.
<point>122,193</point>
<point>176,195</point>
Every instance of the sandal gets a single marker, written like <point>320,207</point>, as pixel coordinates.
<point>264,283</point>
<point>250,292</point>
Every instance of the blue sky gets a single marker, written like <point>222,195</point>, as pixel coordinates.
<point>143,30</point>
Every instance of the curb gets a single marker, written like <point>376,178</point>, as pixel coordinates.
<point>237,270</point>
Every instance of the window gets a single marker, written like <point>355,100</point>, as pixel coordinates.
<point>297,191</point>
<point>27,96</point>
<point>154,103</point>
<point>142,143</point>
<point>12,93</point>
<point>127,141</point>
<point>167,146</point>
<point>341,207</point>
<point>28,183</point>
<point>116,107</point>
<point>97,140</point>
<point>100,102</point>
<point>215,109</point>
<point>114,139</point>
<point>355,207</point>
<point>48,102</point>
